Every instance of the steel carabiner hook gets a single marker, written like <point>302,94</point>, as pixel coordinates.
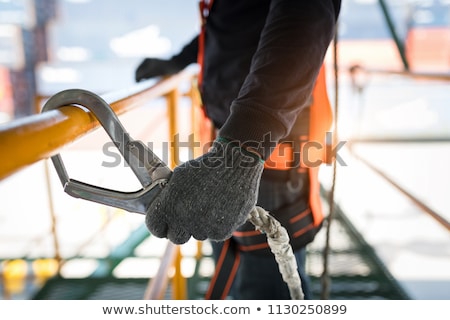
<point>150,170</point>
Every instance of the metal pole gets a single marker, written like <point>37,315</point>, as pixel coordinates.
<point>172,113</point>
<point>398,43</point>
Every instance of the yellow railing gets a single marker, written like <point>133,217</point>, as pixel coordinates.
<point>28,140</point>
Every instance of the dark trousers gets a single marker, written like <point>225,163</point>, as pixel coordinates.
<point>258,276</point>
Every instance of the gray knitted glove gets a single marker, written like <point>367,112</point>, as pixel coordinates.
<point>208,197</point>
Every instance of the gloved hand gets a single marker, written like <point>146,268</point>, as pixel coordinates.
<point>154,67</point>
<point>208,197</point>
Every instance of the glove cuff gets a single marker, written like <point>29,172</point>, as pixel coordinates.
<point>246,150</point>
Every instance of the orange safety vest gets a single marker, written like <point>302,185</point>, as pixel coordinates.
<point>321,119</point>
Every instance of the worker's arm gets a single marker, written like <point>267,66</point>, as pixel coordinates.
<point>211,196</point>
<point>290,53</point>
<point>155,67</point>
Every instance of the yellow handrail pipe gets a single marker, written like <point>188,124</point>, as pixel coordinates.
<point>27,140</point>
<point>158,285</point>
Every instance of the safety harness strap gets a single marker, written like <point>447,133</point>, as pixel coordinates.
<point>226,269</point>
<point>205,7</point>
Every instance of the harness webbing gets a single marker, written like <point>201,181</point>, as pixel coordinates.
<point>205,7</point>
<point>226,268</point>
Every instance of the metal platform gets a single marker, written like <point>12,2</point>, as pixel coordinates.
<point>355,272</point>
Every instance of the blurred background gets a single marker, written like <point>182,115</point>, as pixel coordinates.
<point>392,103</point>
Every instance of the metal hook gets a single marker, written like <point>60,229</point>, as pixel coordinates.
<point>151,171</point>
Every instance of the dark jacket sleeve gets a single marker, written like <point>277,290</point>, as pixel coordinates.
<point>283,71</point>
<point>188,54</point>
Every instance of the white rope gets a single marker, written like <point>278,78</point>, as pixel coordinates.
<point>278,240</point>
